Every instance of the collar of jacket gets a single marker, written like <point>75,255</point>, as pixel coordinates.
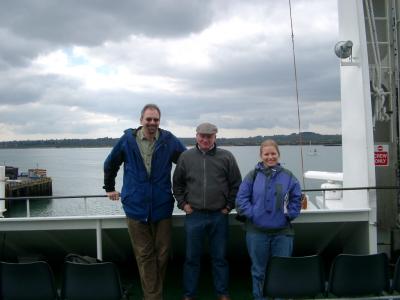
<point>209,152</point>
<point>136,130</point>
<point>268,171</point>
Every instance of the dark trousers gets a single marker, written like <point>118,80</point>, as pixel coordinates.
<point>213,226</point>
<point>151,243</point>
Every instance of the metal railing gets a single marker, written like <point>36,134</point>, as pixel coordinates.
<point>29,198</point>
<point>99,221</point>
<point>367,188</point>
<point>86,197</point>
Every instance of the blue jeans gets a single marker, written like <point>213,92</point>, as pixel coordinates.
<point>261,246</point>
<point>213,226</point>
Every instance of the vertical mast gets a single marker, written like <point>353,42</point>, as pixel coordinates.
<point>357,128</point>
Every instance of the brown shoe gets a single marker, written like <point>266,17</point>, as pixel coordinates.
<point>223,297</point>
<point>187,298</point>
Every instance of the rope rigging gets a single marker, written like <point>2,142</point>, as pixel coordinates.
<point>381,95</point>
<point>297,94</point>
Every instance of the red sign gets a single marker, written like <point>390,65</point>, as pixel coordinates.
<point>381,155</point>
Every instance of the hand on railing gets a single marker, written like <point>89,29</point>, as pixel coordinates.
<point>114,196</point>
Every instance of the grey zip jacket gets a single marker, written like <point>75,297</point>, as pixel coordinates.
<point>206,180</point>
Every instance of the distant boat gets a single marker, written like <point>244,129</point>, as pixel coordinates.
<point>312,151</point>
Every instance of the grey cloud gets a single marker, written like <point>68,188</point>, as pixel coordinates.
<point>228,112</point>
<point>18,90</point>
<point>46,119</point>
<point>248,87</point>
<point>93,22</point>
<point>18,51</point>
<point>32,27</point>
<point>317,79</point>
<point>246,107</point>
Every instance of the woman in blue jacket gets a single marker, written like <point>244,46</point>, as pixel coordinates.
<point>270,198</point>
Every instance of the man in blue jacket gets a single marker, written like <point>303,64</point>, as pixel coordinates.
<point>147,153</point>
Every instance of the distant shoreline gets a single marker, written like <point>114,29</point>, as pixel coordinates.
<point>307,139</point>
<point>191,145</point>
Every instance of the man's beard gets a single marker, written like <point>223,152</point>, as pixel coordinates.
<point>151,128</point>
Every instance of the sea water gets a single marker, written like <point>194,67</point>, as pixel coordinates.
<point>79,171</point>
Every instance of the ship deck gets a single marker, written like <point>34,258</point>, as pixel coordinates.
<point>325,232</point>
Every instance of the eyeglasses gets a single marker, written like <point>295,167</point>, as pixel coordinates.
<point>155,120</point>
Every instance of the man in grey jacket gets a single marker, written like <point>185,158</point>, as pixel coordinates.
<point>205,183</point>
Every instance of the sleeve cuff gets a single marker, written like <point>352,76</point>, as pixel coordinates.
<point>109,189</point>
<point>181,204</point>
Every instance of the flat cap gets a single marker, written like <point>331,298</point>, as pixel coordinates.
<point>207,128</point>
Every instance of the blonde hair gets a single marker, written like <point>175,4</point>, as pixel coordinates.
<point>270,142</point>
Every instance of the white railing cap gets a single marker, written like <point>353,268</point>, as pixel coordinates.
<point>334,176</point>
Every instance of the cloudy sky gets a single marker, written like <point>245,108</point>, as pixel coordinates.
<point>84,69</point>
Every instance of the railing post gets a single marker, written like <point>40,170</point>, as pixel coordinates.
<point>99,240</point>
<point>324,199</point>
<point>28,208</point>
<point>2,190</point>
<point>85,203</point>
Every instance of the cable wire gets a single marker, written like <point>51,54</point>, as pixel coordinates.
<point>297,95</point>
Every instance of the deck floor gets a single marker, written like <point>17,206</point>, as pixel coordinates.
<point>239,284</point>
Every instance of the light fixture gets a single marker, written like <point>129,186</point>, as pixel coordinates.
<point>343,49</point>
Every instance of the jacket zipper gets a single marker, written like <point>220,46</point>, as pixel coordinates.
<point>156,148</point>
<point>204,181</point>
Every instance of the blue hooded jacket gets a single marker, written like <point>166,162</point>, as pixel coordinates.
<point>144,197</point>
<point>269,198</point>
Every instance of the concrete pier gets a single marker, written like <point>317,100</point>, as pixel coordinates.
<point>24,186</point>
